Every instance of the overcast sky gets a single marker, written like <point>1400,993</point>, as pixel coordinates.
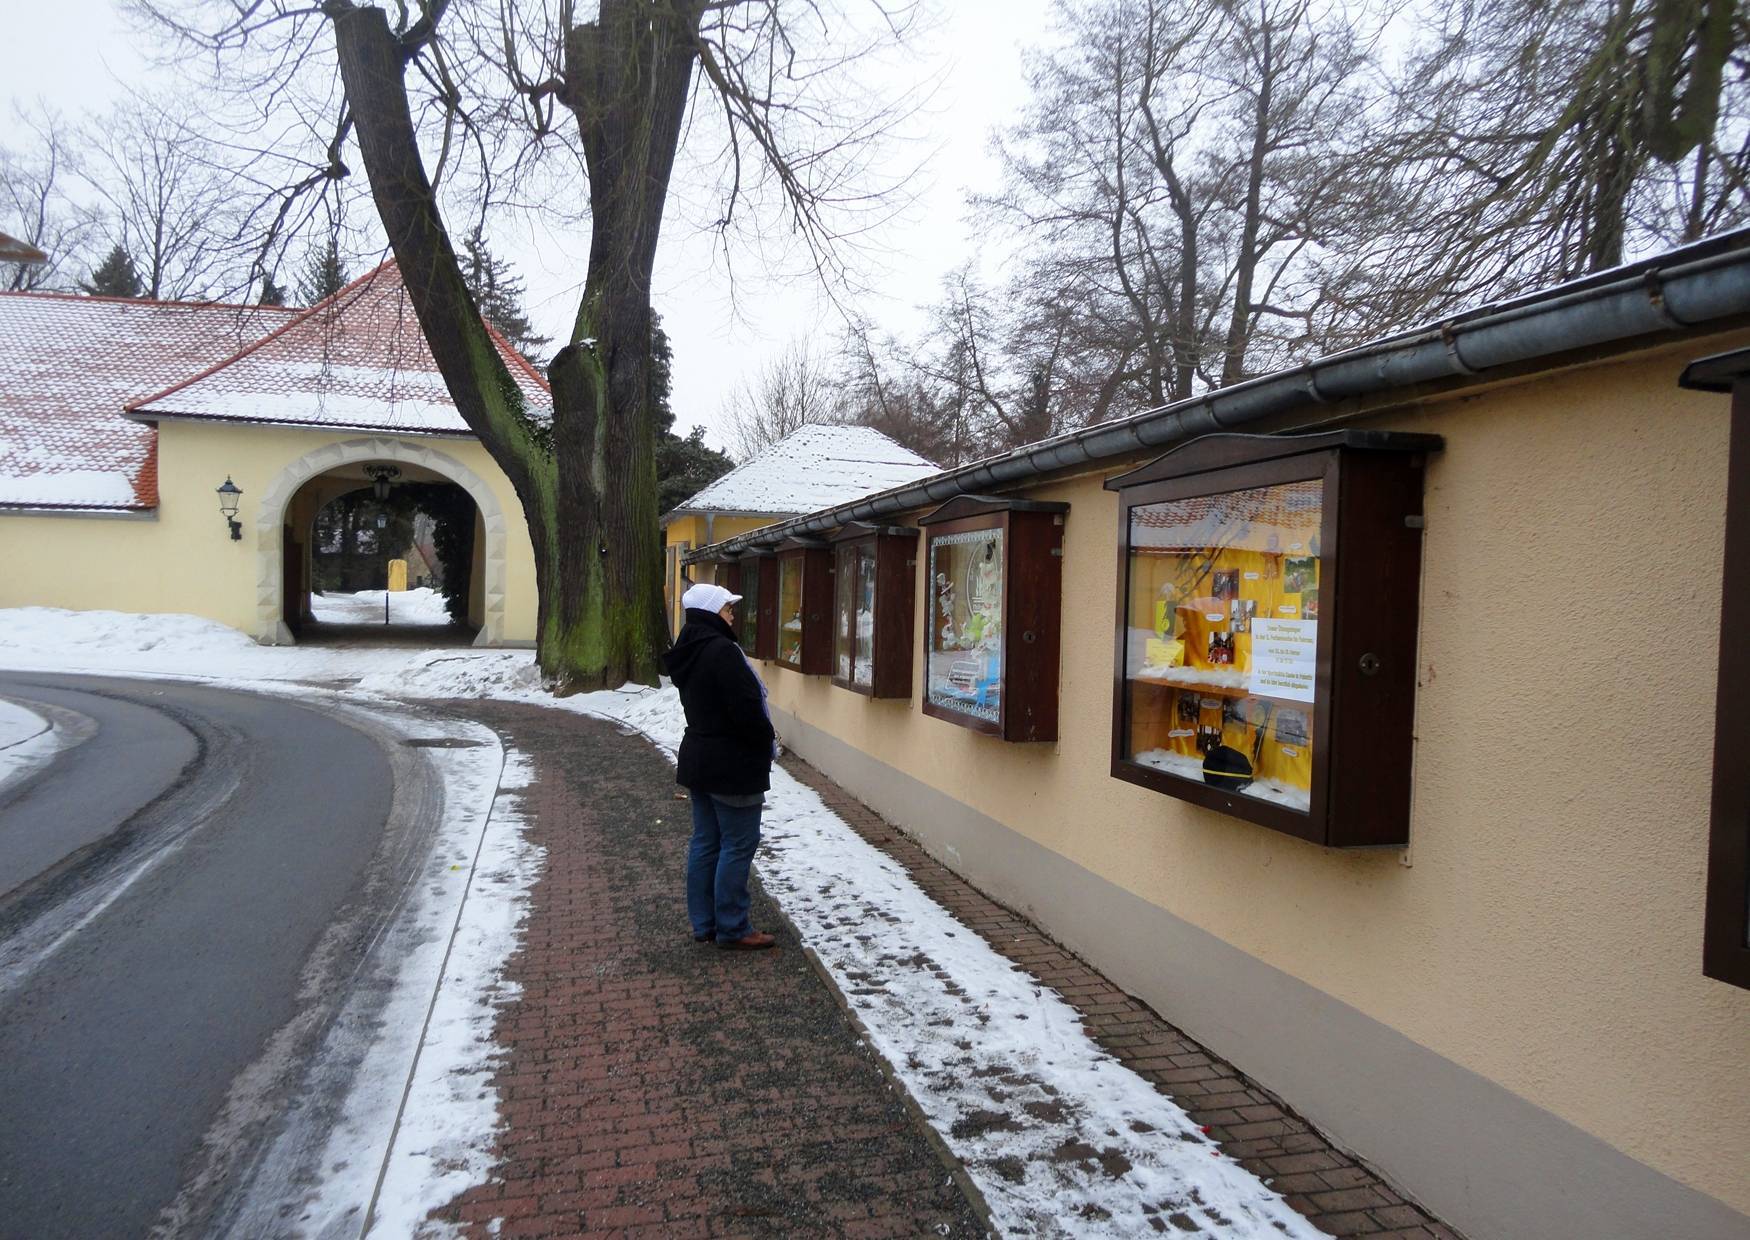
<point>74,55</point>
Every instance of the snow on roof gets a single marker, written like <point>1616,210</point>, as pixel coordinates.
<point>812,467</point>
<point>68,365</point>
<point>358,360</point>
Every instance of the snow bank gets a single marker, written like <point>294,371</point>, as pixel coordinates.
<point>57,632</point>
<point>27,740</point>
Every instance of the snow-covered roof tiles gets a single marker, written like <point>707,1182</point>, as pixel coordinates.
<point>67,367</point>
<point>811,468</point>
<point>357,360</point>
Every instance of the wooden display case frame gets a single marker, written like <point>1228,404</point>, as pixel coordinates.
<point>895,552</point>
<point>1725,953</point>
<point>764,564</point>
<point>1370,563</point>
<point>1032,611</point>
<point>813,556</point>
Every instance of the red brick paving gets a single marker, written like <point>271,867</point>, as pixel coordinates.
<point>657,1087</point>
<point>654,1087</point>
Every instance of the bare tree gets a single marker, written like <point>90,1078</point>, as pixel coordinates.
<point>1532,143</point>
<point>1180,178</point>
<point>169,197</point>
<point>790,391</point>
<point>479,102</point>
<point>36,208</point>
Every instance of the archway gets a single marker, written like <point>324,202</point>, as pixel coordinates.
<point>272,577</point>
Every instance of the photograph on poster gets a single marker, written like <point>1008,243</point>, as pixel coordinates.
<point>1299,574</point>
<point>1227,584</point>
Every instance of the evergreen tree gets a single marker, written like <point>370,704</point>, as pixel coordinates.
<point>116,276</point>
<point>271,293</point>
<point>324,276</point>
<point>684,467</point>
<point>499,294</point>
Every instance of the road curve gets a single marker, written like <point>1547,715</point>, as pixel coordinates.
<point>151,949</point>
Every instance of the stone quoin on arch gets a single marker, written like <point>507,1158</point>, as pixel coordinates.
<point>270,629</point>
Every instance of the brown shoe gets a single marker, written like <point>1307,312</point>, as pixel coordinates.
<point>747,943</point>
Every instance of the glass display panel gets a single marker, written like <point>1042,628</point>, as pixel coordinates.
<point>965,642</point>
<point>790,609</point>
<point>854,630</point>
<point>747,612</point>
<point>1222,638</point>
<point>844,619</point>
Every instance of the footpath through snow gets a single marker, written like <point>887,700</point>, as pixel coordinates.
<point>961,1026</point>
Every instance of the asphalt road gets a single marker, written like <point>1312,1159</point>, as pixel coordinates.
<point>166,885</point>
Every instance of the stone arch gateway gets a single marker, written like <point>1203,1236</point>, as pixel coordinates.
<point>270,603</point>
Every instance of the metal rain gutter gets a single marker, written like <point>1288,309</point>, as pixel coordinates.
<point>1686,287</point>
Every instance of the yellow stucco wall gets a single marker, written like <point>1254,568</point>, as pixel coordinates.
<point>1544,929</point>
<point>185,560</point>
<point>685,533</point>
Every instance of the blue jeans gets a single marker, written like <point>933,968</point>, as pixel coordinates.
<point>718,859</point>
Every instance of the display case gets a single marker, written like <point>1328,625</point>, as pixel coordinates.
<point>1266,629</point>
<point>993,580</point>
<point>804,606</point>
<point>875,568</point>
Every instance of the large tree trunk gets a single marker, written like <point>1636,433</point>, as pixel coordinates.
<point>587,485</point>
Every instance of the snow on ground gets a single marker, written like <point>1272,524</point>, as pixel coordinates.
<point>26,741</point>
<point>1061,1139</point>
<point>441,1149</point>
<point>422,605</point>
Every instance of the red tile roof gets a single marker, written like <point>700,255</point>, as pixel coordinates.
<point>357,360</point>
<point>69,364</point>
<point>83,380</point>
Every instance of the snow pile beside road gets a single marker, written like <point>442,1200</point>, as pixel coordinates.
<point>58,632</point>
<point>443,1145</point>
<point>18,724</point>
<point>504,674</point>
<point>26,741</point>
<point>1060,1137</point>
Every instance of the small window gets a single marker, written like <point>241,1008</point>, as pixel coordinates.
<point>874,574</point>
<point>1241,673</point>
<point>804,606</point>
<point>993,576</point>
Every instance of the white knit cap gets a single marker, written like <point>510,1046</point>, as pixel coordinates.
<point>707,598</point>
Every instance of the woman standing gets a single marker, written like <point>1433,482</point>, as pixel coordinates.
<point>725,764</point>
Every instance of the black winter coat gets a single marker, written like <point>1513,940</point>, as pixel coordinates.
<point>728,743</point>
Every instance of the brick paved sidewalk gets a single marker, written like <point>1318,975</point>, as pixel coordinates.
<point>1336,1192</point>
<point>658,1087</point>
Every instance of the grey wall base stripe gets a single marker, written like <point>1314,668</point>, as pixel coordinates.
<point>1485,1160</point>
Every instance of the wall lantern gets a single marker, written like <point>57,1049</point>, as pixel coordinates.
<point>229,494</point>
<point>380,476</point>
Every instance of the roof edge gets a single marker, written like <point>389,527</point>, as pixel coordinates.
<point>253,346</point>
<point>1694,287</point>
